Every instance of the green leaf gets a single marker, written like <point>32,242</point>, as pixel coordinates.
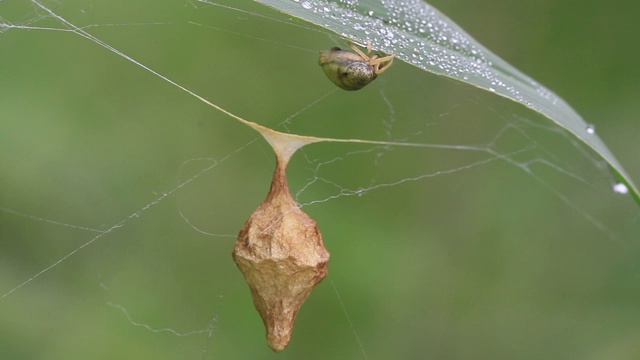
<point>422,36</point>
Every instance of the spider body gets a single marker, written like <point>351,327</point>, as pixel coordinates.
<point>353,71</point>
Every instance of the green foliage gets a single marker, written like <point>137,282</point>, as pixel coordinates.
<point>499,239</point>
<point>422,36</point>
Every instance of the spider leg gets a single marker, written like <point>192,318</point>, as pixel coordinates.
<point>381,63</point>
<point>359,52</point>
<point>369,49</point>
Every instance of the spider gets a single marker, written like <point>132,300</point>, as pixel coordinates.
<point>353,71</point>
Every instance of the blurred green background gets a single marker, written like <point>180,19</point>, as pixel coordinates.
<point>454,261</point>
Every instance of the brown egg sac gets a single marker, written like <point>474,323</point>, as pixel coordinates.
<point>282,257</point>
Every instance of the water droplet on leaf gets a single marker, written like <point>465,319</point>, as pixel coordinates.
<point>620,188</point>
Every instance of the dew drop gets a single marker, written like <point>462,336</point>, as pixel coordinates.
<point>620,188</point>
<point>591,129</point>
<point>307,5</point>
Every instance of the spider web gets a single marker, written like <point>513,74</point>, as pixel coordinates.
<point>123,194</point>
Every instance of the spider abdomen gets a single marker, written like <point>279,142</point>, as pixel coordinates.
<point>356,75</point>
